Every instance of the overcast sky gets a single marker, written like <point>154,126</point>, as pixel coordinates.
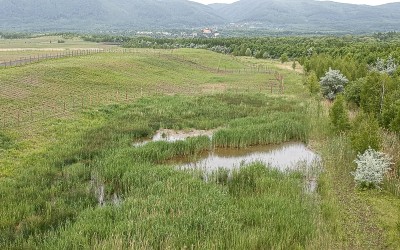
<point>370,2</point>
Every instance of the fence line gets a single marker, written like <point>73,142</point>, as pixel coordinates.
<point>84,52</point>
<point>20,117</point>
<point>37,58</point>
<point>67,53</point>
<point>53,108</point>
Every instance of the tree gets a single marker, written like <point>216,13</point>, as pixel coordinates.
<point>352,92</point>
<point>371,168</point>
<point>394,122</point>
<point>333,83</point>
<point>312,83</point>
<point>339,115</point>
<point>248,52</point>
<point>294,65</point>
<point>284,58</point>
<point>374,91</point>
<point>258,54</point>
<point>365,133</point>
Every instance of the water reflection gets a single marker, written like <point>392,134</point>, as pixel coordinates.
<point>170,135</point>
<point>287,156</point>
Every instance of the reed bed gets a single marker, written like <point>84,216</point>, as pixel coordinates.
<point>96,189</point>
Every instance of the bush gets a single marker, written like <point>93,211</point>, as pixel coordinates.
<point>371,168</point>
<point>365,133</point>
<point>284,58</point>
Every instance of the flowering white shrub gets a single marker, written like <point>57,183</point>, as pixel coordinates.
<point>333,83</point>
<point>371,168</point>
<point>388,66</point>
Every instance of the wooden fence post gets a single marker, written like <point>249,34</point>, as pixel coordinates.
<point>18,118</point>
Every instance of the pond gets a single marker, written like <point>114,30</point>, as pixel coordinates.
<point>289,156</point>
<point>286,156</point>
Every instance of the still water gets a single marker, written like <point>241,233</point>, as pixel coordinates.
<point>286,156</point>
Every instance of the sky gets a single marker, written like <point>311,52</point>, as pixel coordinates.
<point>369,2</point>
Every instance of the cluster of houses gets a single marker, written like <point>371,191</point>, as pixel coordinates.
<point>206,32</point>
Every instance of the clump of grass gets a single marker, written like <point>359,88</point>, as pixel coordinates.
<point>5,141</point>
<point>272,132</point>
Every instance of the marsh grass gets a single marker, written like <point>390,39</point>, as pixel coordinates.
<point>78,182</point>
<point>57,200</point>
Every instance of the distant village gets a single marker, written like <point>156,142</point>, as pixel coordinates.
<point>203,33</point>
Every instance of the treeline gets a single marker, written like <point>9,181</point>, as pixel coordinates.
<point>11,35</point>
<point>367,49</point>
<point>105,38</point>
<point>19,35</point>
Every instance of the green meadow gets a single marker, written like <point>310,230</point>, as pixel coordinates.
<point>70,177</point>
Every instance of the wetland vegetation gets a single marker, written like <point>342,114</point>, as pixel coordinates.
<point>77,180</point>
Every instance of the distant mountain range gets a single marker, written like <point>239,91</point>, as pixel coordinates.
<point>291,15</point>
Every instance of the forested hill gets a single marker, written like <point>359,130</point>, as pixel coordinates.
<point>104,14</point>
<point>313,15</point>
<point>288,15</point>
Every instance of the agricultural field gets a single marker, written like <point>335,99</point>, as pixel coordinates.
<point>75,173</point>
<point>16,49</point>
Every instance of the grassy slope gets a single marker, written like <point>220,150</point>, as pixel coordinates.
<point>63,153</point>
<point>40,90</point>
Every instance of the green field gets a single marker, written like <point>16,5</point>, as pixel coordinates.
<point>67,129</point>
<point>15,49</point>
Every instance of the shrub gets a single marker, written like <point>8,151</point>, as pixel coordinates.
<point>284,58</point>
<point>371,168</point>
